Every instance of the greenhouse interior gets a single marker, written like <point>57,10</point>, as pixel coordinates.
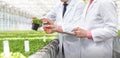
<point>18,40</point>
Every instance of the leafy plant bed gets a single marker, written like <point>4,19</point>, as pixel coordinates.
<point>16,40</point>
<point>18,46</point>
<point>24,34</point>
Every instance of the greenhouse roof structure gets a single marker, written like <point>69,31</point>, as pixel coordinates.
<point>27,8</point>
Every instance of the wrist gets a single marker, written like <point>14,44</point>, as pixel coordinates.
<point>89,35</point>
<point>59,29</point>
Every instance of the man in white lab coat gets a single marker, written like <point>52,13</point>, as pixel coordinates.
<point>97,29</point>
<point>69,45</point>
<point>95,34</point>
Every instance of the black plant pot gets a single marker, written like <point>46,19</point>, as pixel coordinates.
<point>35,26</point>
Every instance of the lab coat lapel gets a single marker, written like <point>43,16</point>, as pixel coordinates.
<point>86,10</point>
<point>70,6</point>
<point>61,11</point>
<point>68,10</point>
<point>91,5</point>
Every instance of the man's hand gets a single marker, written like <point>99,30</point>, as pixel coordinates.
<point>47,21</point>
<point>49,25</point>
<point>50,28</point>
<point>79,32</point>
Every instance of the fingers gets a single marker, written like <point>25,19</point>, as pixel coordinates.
<point>77,33</point>
<point>75,29</point>
<point>48,28</point>
<point>48,31</point>
<point>44,19</point>
<point>81,33</point>
<point>45,27</point>
<point>48,21</point>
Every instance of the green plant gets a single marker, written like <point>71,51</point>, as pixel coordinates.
<point>36,21</point>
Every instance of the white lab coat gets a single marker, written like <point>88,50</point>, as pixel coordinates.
<point>101,20</point>
<point>71,43</point>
